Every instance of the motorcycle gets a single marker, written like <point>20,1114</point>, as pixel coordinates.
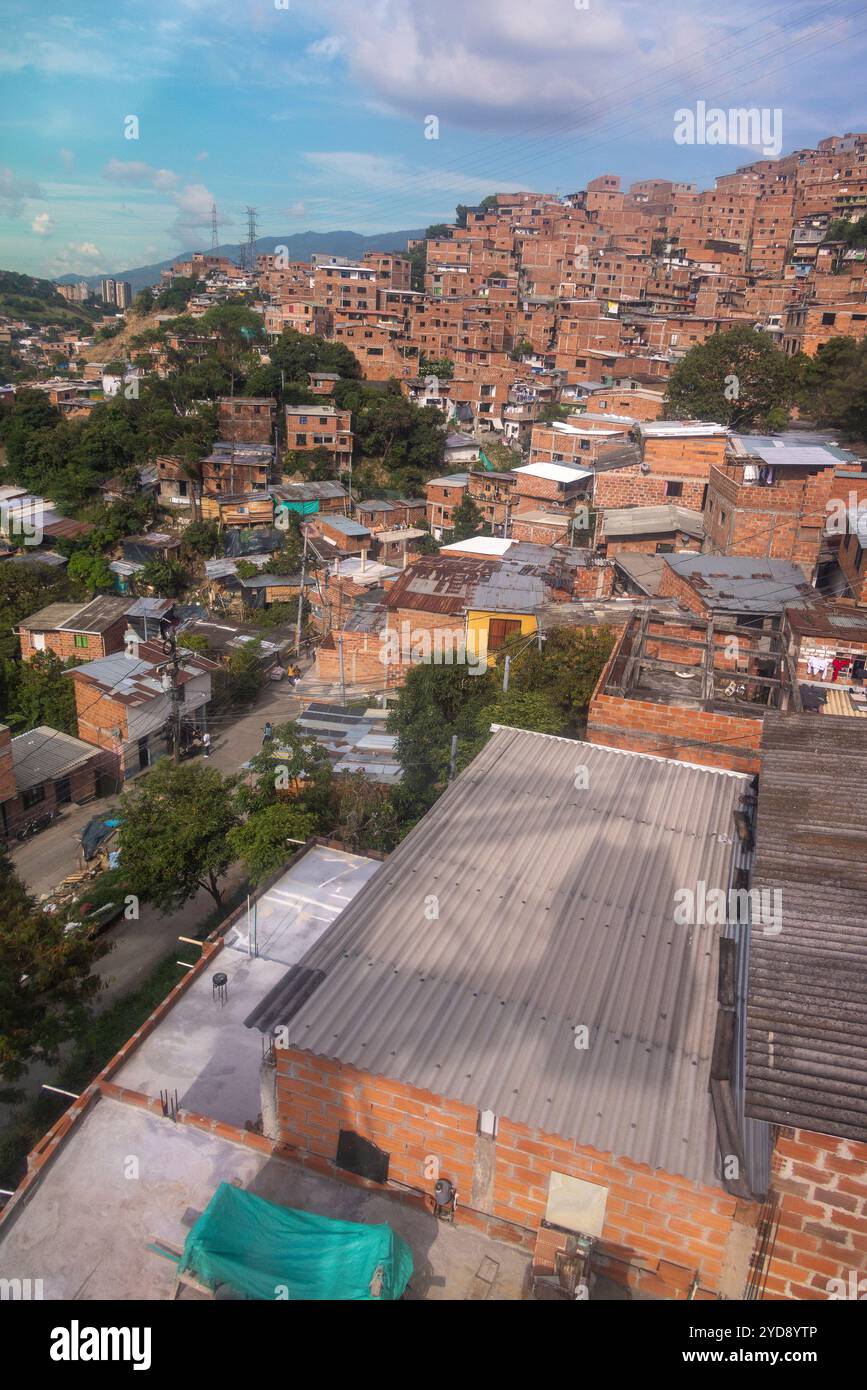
<point>32,827</point>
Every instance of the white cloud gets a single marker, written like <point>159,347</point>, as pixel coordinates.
<point>193,203</point>
<point>14,192</point>
<point>510,64</point>
<point>41,224</point>
<point>374,171</point>
<point>203,154</point>
<point>133,171</point>
<point>327,48</point>
<point>67,158</point>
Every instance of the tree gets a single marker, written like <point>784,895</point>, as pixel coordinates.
<point>365,817</point>
<point>435,704</point>
<point>467,520</point>
<point>294,768</point>
<point>566,670</point>
<point>174,830</point>
<point>263,841</point>
<point>737,378</point>
<point>44,695</point>
<point>833,389</point>
<point>240,680</point>
<point>143,303</point>
<point>168,578</point>
<point>201,538</point>
<point>90,570</point>
<point>522,709</point>
<point>46,984</point>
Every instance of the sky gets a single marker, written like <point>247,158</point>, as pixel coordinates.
<point>377,115</point>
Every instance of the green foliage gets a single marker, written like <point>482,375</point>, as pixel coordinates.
<point>263,841</point>
<point>365,815</point>
<point>201,538</point>
<point>833,389</point>
<point>736,378</point>
<point>296,354</point>
<point>144,302</point>
<point>292,766</point>
<point>173,834</point>
<point>435,703</point>
<point>43,695</point>
<point>193,641</point>
<point>39,302</point>
<point>852,233</point>
<point>90,570</point>
<point>522,709</point>
<point>566,670</point>
<point>406,441</point>
<point>167,578</point>
<point>46,984</point>
<point>441,367</point>
<point>467,520</point>
<point>239,681</point>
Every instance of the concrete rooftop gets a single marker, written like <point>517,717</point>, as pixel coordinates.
<point>85,1227</point>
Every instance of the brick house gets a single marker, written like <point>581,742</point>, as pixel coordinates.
<point>247,419</point>
<point>123,703</point>
<point>443,495</point>
<point>484,1078</point>
<point>50,770</point>
<point>652,530</point>
<point>806,1039</point>
<point>348,536</point>
<point>553,487</point>
<point>320,427</point>
<point>717,584</point>
<point>83,631</point>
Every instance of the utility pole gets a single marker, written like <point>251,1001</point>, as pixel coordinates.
<point>453,757</point>
<point>301,598</point>
<point>170,678</point>
<point>506,665</point>
<point>251,238</point>
<point>342,671</point>
<point>214,235</point>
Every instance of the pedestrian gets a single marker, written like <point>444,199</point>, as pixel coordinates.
<point>206,744</point>
<point>267,734</point>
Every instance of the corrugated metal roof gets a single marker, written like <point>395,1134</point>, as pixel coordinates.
<point>743,583</point>
<point>796,456</point>
<point>555,910</point>
<point>807,1001</point>
<point>43,754</point>
<point>635,521</point>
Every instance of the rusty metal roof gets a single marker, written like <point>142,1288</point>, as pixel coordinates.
<point>555,910</point>
<point>806,1062</point>
<point>440,583</point>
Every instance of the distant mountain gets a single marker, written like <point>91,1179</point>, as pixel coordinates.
<point>38,302</point>
<point>300,247</point>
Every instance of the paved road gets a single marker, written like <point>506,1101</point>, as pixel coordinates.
<point>52,854</point>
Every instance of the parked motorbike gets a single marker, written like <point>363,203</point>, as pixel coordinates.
<point>32,827</point>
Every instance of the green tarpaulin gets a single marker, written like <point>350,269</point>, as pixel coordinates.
<point>266,1251</point>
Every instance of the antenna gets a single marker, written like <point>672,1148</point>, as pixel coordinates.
<point>251,238</point>
<point>214,237</point>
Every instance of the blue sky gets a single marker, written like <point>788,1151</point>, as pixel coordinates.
<point>315,111</point>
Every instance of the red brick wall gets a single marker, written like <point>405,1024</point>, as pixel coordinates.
<point>821,1234</point>
<point>7,772</point>
<point>671,585</point>
<point>362,658</point>
<point>63,643</point>
<point>675,731</point>
<point>665,1226</point>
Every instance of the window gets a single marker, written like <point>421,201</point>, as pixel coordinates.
<point>81,639</point>
<point>500,630</point>
<point>32,796</point>
<point>38,641</point>
<point>829,319</point>
<point>674,489</point>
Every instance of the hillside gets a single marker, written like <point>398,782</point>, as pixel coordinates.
<point>301,246</point>
<point>37,301</point>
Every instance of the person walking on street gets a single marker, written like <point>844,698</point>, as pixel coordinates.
<point>206,744</point>
<point>267,733</point>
